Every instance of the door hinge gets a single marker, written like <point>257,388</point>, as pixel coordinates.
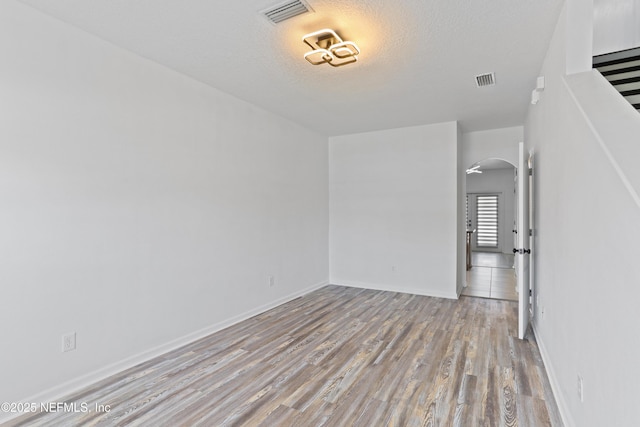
<point>530,172</point>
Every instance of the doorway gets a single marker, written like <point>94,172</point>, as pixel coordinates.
<point>490,219</point>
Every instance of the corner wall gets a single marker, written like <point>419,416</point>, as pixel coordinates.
<point>141,209</point>
<point>583,136</point>
<point>492,144</point>
<point>394,207</point>
<point>616,25</point>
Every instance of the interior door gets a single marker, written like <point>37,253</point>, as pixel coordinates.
<point>523,249</point>
<point>532,238</point>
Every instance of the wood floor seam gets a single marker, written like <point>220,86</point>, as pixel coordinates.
<point>337,356</point>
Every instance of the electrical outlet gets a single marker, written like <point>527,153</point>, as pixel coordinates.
<point>68,342</point>
<point>580,389</point>
<point>272,280</point>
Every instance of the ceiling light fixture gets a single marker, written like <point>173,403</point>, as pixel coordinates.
<point>329,48</point>
<point>475,169</point>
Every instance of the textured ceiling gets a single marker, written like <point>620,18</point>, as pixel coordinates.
<point>417,66</point>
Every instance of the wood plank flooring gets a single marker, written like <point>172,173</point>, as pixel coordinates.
<point>338,357</point>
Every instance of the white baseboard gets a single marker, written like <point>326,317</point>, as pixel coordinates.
<point>57,393</point>
<point>402,289</point>
<point>567,419</point>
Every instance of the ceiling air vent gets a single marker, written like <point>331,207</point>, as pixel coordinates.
<point>286,10</point>
<point>488,79</point>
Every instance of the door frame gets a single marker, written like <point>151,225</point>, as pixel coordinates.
<point>463,193</point>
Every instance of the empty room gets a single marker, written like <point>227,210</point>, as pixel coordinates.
<point>319,213</point>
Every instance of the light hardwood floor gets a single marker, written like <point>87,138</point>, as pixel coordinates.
<point>338,357</point>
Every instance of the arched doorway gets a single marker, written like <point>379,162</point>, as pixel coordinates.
<point>490,220</point>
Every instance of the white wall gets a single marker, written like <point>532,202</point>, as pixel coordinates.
<point>140,208</point>
<point>579,36</point>
<point>499,181</point>
<point>587,234</point>
<point>394,203</point>
<point>616,25</point>
<point>492,144</point>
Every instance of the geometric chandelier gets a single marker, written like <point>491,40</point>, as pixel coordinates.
<point>329,48</point>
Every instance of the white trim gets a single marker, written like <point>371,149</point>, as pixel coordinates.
<point>56,393</point>
<point>563,408</point>
<point>459,291</point>
<point>401,289</point>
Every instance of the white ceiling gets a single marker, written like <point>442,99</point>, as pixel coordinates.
<point>417,66</point>
<point>493,164</point>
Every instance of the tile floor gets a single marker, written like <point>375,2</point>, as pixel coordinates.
<point>492,259</point>
<point>492,276</point>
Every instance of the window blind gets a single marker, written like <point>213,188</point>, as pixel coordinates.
<point>487,221</point>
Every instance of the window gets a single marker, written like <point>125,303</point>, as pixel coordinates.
<point>487,221</point>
